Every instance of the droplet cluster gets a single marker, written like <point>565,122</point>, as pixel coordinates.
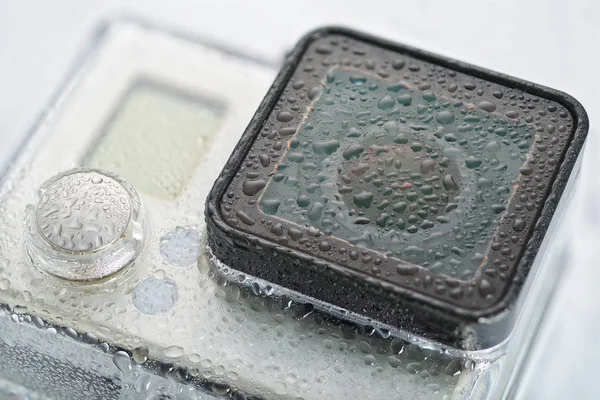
<point>423,180</point>
<point>419,175</point>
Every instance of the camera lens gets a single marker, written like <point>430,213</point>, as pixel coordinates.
<point>417,196</point>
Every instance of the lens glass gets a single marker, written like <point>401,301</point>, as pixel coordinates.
<point>400,171</point>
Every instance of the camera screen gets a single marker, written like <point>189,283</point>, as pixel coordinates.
<point>157,138</point>
<point>400,171</point>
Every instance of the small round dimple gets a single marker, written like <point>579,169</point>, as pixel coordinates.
<point>154,296</point>
<point>181,247</point>
<point>83,212</point>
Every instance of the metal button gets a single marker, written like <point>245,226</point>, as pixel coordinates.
<point>88,224</point>
<point>83,212</point>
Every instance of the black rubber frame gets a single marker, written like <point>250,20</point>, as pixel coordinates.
<point>452,324</point>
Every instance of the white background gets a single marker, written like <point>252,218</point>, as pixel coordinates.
<point>555,43</point>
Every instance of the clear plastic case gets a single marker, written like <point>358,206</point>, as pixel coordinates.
<point>164,113</point>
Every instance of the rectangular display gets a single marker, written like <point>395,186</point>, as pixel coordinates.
<point>157,138</point>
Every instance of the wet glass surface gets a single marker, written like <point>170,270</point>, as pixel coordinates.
<point>401,171</point>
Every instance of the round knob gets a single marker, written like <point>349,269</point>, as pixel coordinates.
<point>83,212</point>
<point>87,225</point>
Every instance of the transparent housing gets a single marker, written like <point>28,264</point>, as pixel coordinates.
<point>171,321</point>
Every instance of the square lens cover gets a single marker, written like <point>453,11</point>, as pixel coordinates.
<point>406,187</point>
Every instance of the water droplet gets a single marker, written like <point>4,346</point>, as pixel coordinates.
<point>90,338</point>
<point>487,106</point>
<point>353,151</point>
<point>370,359</point>
<point>429,96</point>
<point>174,352</point>
<point>38,322</point>
<point>416,146</point>
<point>324,246</point>
<point>323,49</point>
<point>122,361</point>
<point>407,269</point>
<point>527,170</point>
<point>519,225</point>
<point>245,218</point>
<point>414,368</point>
<point>486,288</point>
<point>427,166</point>
<point>314,92</point>
<point>326,147</point>
<point>285,116</point>
<point>445,117</point>
<point>277,229</point>
<point>315,211</point>
<point>358,79</point>
<point>386,103</point>
<point>140,355</point>
<point>298,84</point>
<point>398,64</point>
<point>405,99</point>
<point>265,160</point>
<point>220,388</point>
<point>270,205</point>
<point>4,284</point>
<point>363,199</point>
<point>295,233</point>
<point>288,131</point>
<point>497,208</point>
<point>472,162</point>
<point>143,382</point>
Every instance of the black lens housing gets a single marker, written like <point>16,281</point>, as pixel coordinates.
<point>467,314</point>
